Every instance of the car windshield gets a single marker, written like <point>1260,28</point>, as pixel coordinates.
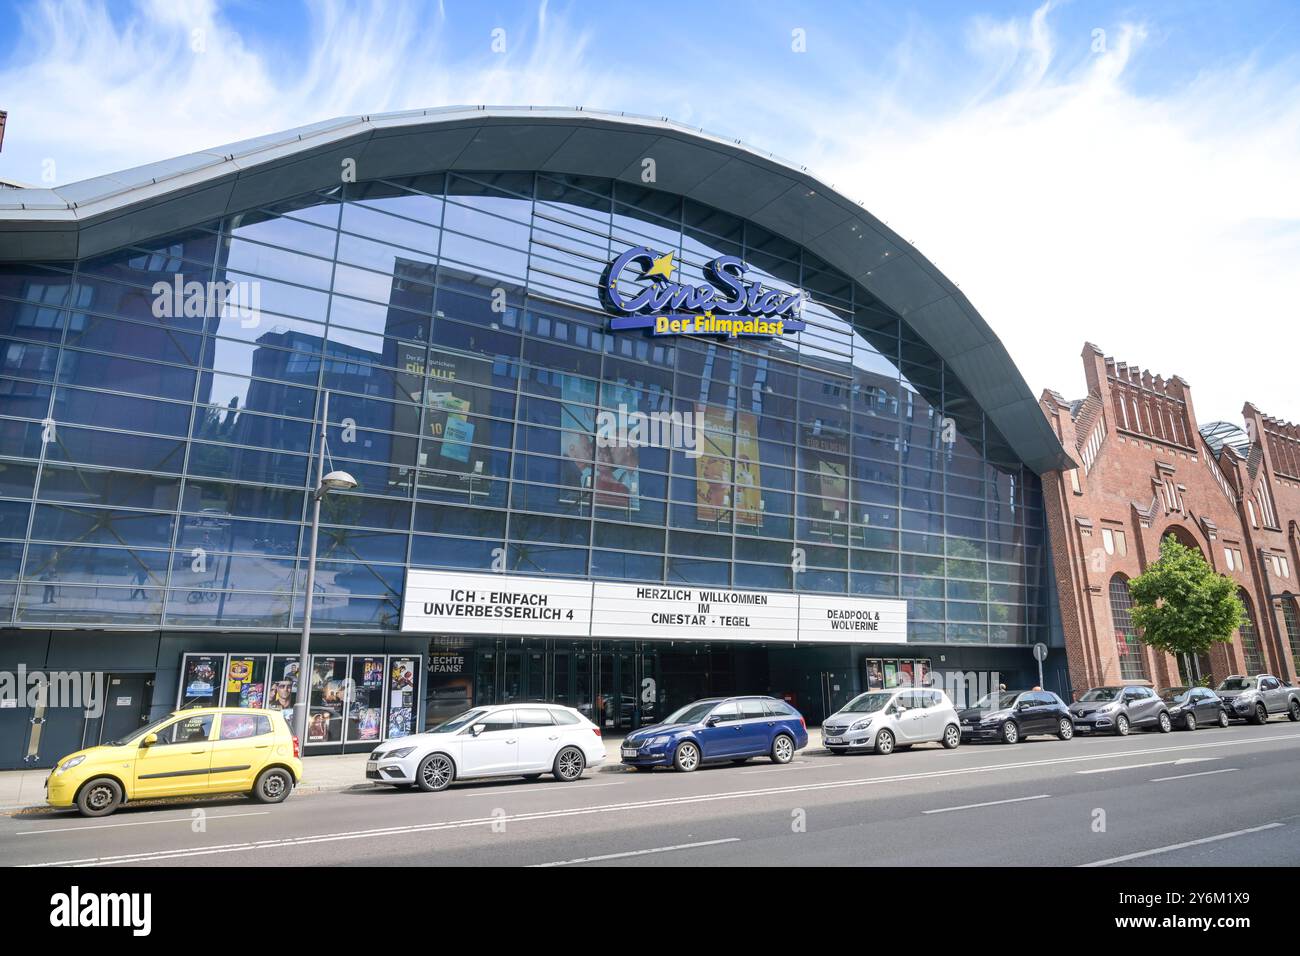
<point>1101,693</point>
<point>151,729</point>
<point>457,722</point>
<point>1174,693</point>
<point>691,713</point>
<point>868,703</point>
<point>1002,701</point>
<point>1238,683</point>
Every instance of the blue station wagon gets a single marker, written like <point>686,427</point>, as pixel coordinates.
<point>717,729</point>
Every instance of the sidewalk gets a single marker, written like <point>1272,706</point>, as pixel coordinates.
<point>20,789</point>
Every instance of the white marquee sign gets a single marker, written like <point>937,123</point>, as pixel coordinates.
<point>500,604</point>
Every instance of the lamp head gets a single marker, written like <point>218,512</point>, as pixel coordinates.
<point>336,481</point>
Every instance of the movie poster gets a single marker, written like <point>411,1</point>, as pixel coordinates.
<point>748,471</point>
<point>330,694</point>
<point>618,477</point>
<point>716,478</point>
<point>199,686</point>
<point>282,686</point>
<point>825,463</point>
<point>713,466</point>
<point>577,432</point>
<point>367,700</point>
<point>401,697</point>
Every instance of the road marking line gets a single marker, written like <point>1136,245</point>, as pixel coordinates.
<point>620,807</point>
<point>619,856</point>
<point>1184,776</point>
<point>1157,763</point>
<point>991,803</point>
<point>138,823</point>
<point>1181,846</point>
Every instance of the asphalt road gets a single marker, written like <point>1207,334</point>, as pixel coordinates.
<point>1214,796</point>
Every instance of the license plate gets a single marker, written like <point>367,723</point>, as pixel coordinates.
<point>629,752</point>
<point>371,766</point>
<point>834,740</point>
<point>1083,728</point>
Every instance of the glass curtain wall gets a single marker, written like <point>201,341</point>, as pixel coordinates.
<point>155,440</point>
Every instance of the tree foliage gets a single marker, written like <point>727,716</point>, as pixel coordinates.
<point>1182,605</point>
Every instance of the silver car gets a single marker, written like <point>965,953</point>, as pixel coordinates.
<point>884,720</point>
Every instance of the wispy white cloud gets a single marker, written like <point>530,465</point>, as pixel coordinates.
<point>1069,200</point>
<point>1165,228</point>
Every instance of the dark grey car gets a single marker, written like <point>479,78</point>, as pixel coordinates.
<point>1192,707</point>
<point>1118,709</point>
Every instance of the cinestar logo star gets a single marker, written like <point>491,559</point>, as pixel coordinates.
<point>76,909</point>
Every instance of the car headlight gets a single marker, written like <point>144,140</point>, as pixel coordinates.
<point>861,724</point>
<point>994,718</point>
<point>659,741</point>
<point>69,764</point>
<point>398,754</point>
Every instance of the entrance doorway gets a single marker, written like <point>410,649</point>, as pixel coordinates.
<point>126,709</point>
<point>615,686</point>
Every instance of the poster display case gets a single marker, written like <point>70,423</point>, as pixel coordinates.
<point>353,699</point>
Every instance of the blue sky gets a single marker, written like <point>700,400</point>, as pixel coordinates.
<point>1127,173</point>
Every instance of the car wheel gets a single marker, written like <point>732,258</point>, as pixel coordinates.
<point>1189,722</point>
<point>884,743</point>
<point>436,773</point>
<point>782,748</point>
<point>569,764</point>
<point>1261,714</point>
<point>532,776</point>
<point>1166,724</point>
<point>1121,726</point>
<point>1223,718</point>
<point>1065,728</point>
<point>952,736</point>
<point>99,797</point>
<point>273,786</point>
<point>1293,711</point>
<point>1010,732</point>
<point>687,757</point>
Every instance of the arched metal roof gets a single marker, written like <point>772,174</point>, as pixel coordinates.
<point>101,214</point>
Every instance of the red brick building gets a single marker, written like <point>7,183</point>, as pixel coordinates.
<point>1146,469</point>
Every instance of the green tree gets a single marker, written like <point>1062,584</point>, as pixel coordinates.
<point>1182,606</point>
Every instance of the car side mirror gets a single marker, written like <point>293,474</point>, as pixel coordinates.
<point>713,722</point>
<point>478,729</point>
<point>1023,705</point>
<point>149,740</point>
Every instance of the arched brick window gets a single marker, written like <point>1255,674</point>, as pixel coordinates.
<point>1132,656</point>
<point>1292,621</point>
<point>1250,637</point>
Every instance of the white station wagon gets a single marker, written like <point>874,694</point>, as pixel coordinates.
<point>506,740</point>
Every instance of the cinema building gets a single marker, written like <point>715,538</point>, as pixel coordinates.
<point>636,415</point>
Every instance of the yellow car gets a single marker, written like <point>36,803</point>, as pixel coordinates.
<point>188,753</point>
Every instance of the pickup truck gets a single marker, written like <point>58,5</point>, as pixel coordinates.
<point>1257,698</point>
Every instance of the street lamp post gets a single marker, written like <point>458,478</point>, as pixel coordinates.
<point>334,481</point>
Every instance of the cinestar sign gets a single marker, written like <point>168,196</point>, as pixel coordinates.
<point>638,286</point>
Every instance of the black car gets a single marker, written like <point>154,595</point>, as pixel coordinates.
<point>1192,707</point>
<point>1013,715</point>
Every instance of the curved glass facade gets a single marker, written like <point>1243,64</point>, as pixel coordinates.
<point>154,449</point>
